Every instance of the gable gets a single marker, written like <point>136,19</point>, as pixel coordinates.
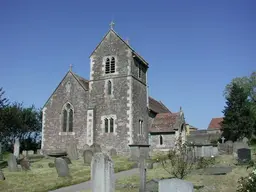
<point>215,123</point>
<point>81,81</point>
<point>112,32</point>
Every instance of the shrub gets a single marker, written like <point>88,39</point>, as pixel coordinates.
<point>179,163</point>
<point>247,184</point>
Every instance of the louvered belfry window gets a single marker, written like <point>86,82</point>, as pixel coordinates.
<point>110,65</point>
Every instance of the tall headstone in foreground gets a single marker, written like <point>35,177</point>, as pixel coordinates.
<point>175,185</point>
<point>12,163</point>
<point>16,151</point>
<point>102,173</point>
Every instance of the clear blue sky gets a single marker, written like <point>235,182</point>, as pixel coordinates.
<point>194,48</point>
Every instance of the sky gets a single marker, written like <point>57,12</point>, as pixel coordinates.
<point>194,48</point>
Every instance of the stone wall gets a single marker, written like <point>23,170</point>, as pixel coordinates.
<point>52,135</point>
<point>168,141</point>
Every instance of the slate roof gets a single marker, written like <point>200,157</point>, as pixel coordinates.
<point>215,123</point>
<point>157,106</point>
<point>164,122</point>
<point>84,82</point>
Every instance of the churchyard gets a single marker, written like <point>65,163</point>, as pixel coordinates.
<point>218,173</point>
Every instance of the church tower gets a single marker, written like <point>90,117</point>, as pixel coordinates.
<point>117,113</point>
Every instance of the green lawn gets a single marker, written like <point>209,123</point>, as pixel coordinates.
<point>45,179</point>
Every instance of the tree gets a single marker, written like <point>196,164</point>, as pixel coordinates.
<point>238,120</point>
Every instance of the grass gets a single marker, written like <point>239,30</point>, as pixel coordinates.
<point>45,179</point>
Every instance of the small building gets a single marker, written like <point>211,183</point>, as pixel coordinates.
<point>215,125</point>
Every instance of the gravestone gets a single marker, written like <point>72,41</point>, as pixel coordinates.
<point>67,159</point>
<point>244,155</point>
<point>25,165</point>
<point>217,170</point>
<point>239,145</point>
<point>152,185</point>
<point>102,173</point>
<point>215,151</point>
<point>112,152</point>
<point>61,167</point>
<point>25,153</point>
<point>245,140</point>
<point>72,151</point>
<point>16,151</point>
<point>12,163</point>
<point>2,177</point>
<point>175,185</point>
<point>30,152</point>
<point>88,154</point>
<point>222,139</point>
<point>95,148</point>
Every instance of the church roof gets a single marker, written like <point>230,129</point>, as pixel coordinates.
<point>164,122</point>
<point>133,51</point>
<point>157,106</point>
<point>84,82</point>
<point>215,123</point>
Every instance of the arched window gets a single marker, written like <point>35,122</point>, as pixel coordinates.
<point>67,118</point>
<point>106,125</point>
<point>161,140</point>
<point>111,125</point>
<point>107,66</point>
<point>140,127</point>
<point>109,87</point>
<point>112,66</point>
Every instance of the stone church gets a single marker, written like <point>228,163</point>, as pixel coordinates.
<point>112,108</point>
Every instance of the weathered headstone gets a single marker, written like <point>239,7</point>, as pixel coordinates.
<point>16,151</point>
<point>175,185</point>
<point>2,177</point>
<point>102,173</point>
<point>112,152</point>
<point>12,163</point>
<point>25,165</point>
<point>62,167</point>
<point>88,154</point>
<point>72,151</point>
<point>215,151</point>
<point>239,145</point>
<point>95,148</point>
<point>245,140</point>
<point>30,152</point>
<point>244,155</point>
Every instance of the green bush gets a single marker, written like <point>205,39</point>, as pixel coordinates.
<point>247,184</point>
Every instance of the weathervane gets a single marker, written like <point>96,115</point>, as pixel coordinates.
<point>112,25</point>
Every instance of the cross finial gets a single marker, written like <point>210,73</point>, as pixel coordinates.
<point>127,40</point>
<point>70,67</point>
<point>112,25</point>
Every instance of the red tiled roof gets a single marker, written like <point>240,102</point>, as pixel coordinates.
<point>164,122</point>
<point>157,106</point>
<point>215,123</point>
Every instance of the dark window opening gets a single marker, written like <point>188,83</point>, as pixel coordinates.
<point>161,140</point>
<point>106,125</point>
<point>107,66</point>
<point>111,125</point>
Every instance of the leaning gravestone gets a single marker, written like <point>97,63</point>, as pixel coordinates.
<point>244,155</point>
<point>16,151</point>
<point>102,173</point>
<point>25,165</point>
<point>95,148</point>
<point>175,185</point>
<point>88,154</point>
<point>2,177</point>
<point>12,163</point>
<point>72,151</point>
<point>61,167</point>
